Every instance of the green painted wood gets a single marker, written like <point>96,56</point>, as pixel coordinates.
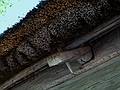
<point>107,78</point>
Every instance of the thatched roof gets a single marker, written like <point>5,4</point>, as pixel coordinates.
<point>46,29</point>
<point>42,17</point>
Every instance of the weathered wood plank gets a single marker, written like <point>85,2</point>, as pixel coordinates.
<point>107,78</point>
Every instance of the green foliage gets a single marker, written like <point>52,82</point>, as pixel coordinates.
<point>4,4</point>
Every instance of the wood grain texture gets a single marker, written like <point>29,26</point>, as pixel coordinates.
<point>107,78</point>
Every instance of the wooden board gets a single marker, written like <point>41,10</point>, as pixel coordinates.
<point>107,78</point>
